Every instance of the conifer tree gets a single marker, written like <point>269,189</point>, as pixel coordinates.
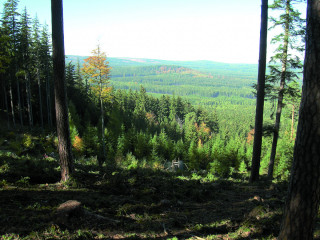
<point>286,63</point>
<point>303,199</point>
<point>46,61</point>
<point>97,70</point>
<point>36,50</point>
<point>190,131</point>
<point>293,99</point>
<point>24,61</point>
<point>260,93</point>
<point>164,110</point>
<point>78,75</point>
<point>10,29</point>
<point>140,109</point>
<point>63,131</point>
<point>4,65</point>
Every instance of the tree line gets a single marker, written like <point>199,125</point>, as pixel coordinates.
<point>25,69</point>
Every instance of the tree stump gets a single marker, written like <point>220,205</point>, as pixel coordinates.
<point>67,210</point>
<point>72,209</point>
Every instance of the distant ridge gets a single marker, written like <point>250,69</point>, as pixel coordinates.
<point>200,65</point>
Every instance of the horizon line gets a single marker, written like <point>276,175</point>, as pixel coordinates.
<point>159,59</point>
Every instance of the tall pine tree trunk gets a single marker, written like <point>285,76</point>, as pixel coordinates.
<point>292,121</point>
<point>19,103</point>
<point>11,104</point>
<point>6,104</point>
<point>281,91</point>
<point>260,93</point>
<point>28,93</point>
<point>103,157</point>
<point>40,97</point>
<point>304,189</point>
<point>66,161</point>
<point>48,98</point>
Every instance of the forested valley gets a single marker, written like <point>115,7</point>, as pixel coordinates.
<point>161,149</point>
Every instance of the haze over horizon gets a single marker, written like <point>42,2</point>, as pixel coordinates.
<point>168,30</point>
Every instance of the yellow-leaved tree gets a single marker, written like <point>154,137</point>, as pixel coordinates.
<point>97,71</point>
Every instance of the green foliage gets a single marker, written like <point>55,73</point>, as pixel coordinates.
<point>27,141</point>
<point>205,120</point>
<point>16,147</point>
<point>284,158</point>
<point>91,141</point>
<point>23,182</point>
<point>10,236</point>
<point>227,156</point>
<point>24,170</point>
<point>3,183</point>
<point>130,161</point>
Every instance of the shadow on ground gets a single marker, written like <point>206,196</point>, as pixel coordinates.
<point>146,204</point>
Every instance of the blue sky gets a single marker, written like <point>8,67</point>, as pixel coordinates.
<point>218,30</point>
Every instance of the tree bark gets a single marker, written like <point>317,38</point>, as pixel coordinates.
<point>40,97</point>
<point>103,157</point>
<point>63,131</point>
<point>6,104</point>
<point>292,121</point>
<point>11,104</point>
<point>260,93</point>
<point>28,93</point>
<point>48,92</point>
<point>19,103</point>
<point>102,119</point>
<point>281,92</point>
<point>304,189</point>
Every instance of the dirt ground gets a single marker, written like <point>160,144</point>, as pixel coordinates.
<point>143,204</point>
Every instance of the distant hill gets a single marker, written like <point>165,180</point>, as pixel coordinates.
<point>207,82</point>
<point>203,65</point>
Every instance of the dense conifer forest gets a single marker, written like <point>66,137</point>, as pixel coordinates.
<point>160,147</point>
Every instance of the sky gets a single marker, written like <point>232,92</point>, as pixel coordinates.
<point>216,30</point>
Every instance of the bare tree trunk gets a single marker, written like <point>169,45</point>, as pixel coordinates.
<point>48,98</point>
<point>292,121</point>
<point>66,161</point>
<point>102,119</point>
<point>260,93</point>
<point>12,106</point>
<point>103,157</point>
<point>281,92</point>
<point>28,93</point>
<point>304,189</point>
<point>19,103</point>
<point>6,104</point>
<point>40,97</point>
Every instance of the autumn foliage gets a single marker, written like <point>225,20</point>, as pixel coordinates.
<point>78,143</point>
<point>96,69</point>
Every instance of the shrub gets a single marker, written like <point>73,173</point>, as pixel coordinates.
<point>91,141</point>
<point>23,182</point>
<point>130,162</point>
<point>27,141</point>
<point>284,159</point>
<point>220,167</point>
<point>16,147</point>
<point>78,144</point>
